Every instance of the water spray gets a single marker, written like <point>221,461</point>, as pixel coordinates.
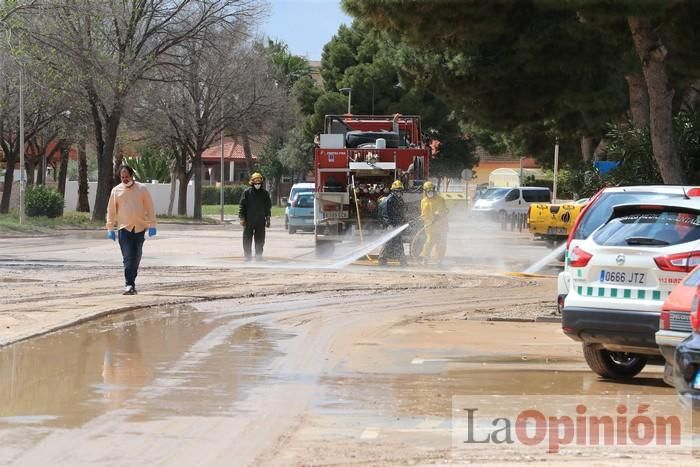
<point>366,248</point>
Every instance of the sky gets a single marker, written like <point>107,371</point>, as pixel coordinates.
<point>304,25</point>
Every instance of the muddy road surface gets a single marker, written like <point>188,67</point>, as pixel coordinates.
<point>286,362</point>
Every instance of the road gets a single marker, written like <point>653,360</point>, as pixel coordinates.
<point>287,362</point>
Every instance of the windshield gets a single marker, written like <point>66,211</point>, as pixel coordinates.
<point>650,228</point>
<point>494,193</point>
<point>601,210</point>
<point>693,279</point>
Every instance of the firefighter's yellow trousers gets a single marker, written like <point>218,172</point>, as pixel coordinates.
<point>435,237</point>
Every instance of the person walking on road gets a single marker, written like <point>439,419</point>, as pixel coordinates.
<point>130,213</point>
<point>254,215</point>
<point>433,211</point>
<point>394,215</point>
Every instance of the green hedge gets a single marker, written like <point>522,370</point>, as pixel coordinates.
<point>232,194</point>
<point>43,201</point>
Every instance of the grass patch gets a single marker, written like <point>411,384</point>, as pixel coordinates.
<point>186,220</point>
<point>232,210</point>
<point>9,223</point>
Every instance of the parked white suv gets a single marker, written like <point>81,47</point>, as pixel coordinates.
<point>598,211</point>
<point>621,275</point>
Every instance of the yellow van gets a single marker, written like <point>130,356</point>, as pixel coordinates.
<point>553,222</point>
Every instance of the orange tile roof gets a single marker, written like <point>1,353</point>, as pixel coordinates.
<point>232,150</point>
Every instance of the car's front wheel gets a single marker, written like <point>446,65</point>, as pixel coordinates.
<point>613,365</point>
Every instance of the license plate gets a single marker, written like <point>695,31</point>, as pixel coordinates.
<point>622,277</point>
<point>556,231</point>
<point>308,221</point>
<point>696,381</point>
<point>334,214</point>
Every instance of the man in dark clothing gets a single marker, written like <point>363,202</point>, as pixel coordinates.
<point>394,215</point>
<point>254,214</point>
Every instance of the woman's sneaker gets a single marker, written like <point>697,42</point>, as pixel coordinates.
<point>129,290</point>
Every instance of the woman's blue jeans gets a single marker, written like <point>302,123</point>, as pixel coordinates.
<point>131,244</point>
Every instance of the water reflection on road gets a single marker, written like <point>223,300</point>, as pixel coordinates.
<point>67,378</point>
<point>273,382</point>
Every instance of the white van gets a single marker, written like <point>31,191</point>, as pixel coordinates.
<point>506,201</point>
<point>297,188</point>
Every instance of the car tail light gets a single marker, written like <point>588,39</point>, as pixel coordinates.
<point>581,214</point>
<point>579,258</point>
<point>679,262</point>
<point>693,192</point>
<point>664,322</point>
<point>695,314</point>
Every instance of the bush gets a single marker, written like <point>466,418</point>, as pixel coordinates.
<point>43,201</point>
<point>232,194</point>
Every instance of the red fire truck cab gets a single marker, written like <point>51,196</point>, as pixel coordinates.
<point>357,159</point>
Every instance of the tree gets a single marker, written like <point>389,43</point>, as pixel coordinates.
<point>111,46</point>
<point>222,85</point>
<point>41,106</point>
<point>270,165</point>
<point>151,164</point>
<point>297,154</point>
<point>291,68</point>
<point>364,60</point>
<point>505,64</point>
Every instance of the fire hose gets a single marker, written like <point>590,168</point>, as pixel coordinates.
<point>359,222</point>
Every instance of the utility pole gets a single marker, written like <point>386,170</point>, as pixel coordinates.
<point>556,170</point>
<point>521,170</point>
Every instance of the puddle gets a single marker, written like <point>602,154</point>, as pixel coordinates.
<point>67,378</point>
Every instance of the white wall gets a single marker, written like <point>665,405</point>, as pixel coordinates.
<point>159,191</point>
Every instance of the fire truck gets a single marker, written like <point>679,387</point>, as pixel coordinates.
<point>357,159</point>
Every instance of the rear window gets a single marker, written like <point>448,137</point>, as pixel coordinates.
<point>300,189</point>
<point>304,201</point>
<point>536,196</point>
<point>602,208</point>
<point>650,228</point>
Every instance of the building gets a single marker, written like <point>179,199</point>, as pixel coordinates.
<point>235,166</point>
<point>488,163</point>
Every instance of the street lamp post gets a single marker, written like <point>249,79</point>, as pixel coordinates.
<point>221,193</point>
<point>21,149</point>
<point>349,91</point>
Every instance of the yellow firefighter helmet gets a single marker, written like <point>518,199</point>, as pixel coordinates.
<point>256,178</point>
<point>397,185</point>
<point>428,186</point>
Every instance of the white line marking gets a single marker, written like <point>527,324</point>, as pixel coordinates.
<point>370,433</point>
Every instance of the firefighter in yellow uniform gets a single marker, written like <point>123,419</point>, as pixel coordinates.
<point>433,211</point>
